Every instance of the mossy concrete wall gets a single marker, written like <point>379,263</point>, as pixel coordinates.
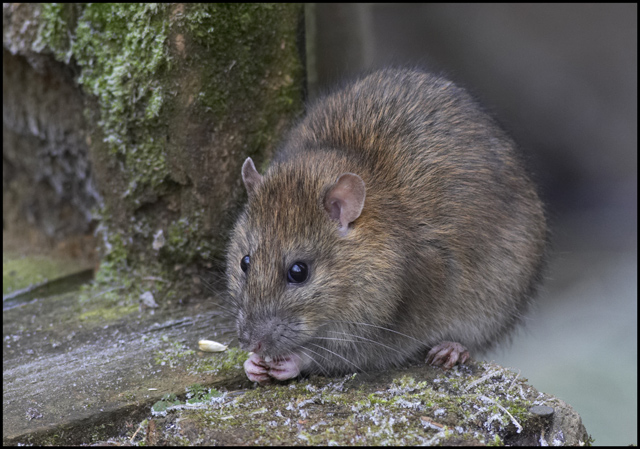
<point>174,98</point>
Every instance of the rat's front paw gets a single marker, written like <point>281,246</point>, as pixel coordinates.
<point>263,371</point>
<point>285,368</point>
<point>256,369</point>
<point>447,354</point>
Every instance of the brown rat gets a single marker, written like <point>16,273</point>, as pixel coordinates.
<point>396,218</point>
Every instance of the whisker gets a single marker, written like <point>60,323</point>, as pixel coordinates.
<point>230,306</point>
<point>338,355</point>
<point>220,301</point>
<point>401,351</point>
<point>324,371</point>
<point>227,310</point>
<point>380,327</point>
<point>336,339</point>
<point>364,340</point>
<point>302,348</point>
<point>214,285</point>
<point>224,330</point>
<point>319,355</point>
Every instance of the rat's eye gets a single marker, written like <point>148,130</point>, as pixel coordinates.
<point>298,273</point>
<point>244,263</point>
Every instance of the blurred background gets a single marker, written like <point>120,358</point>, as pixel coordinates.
<point>562,79</point>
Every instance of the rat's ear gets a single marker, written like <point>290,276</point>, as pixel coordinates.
<point>345,199</point>
<point>250,176</point>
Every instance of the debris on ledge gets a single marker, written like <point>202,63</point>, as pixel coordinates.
<point>481,403</point>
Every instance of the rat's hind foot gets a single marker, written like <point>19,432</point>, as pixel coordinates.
<point>447,354</point>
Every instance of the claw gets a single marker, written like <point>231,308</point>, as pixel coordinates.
<point>447,354</point>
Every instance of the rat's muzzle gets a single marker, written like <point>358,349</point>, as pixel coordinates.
<point>268,337</point>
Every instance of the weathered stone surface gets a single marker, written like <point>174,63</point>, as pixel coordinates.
<point>480,404</point>
<point>78,369</point>
<point>94,369</point>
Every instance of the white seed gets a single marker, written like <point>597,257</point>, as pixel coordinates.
<point>211,346</point>
<point>267,359</point>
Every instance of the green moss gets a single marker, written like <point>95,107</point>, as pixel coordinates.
<point>245,78</point>
<point>121,48</point>
<point>23,271</point>
<point>235,32</point>
<point>182,244</point>
<point>197,393</point>
<point>107,313</point>
<point>227,362</point>
<point>113,285</point>
<point>116,253</point>
<point>56,19</point>
<point>167,401</point>
<point>232,41</point>
<point>122,54</point>
<point>121,281</point>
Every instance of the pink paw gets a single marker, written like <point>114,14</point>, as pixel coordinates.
<point>256,369</point>
<point>285,368</point>
<point>447,354</point>
<point>259,370</point>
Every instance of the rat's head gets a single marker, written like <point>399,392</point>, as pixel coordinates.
<point>296,232</point>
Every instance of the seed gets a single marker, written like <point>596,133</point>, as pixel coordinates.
<point>211,346</point>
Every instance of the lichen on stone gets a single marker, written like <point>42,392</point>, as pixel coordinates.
<point>478,405</point>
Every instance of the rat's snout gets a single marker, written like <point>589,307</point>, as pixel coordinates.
<point>266,336</point>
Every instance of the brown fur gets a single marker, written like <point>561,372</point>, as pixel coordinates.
<point>449,245</point>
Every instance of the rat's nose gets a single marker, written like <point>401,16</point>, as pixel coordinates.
<point>256,347</point>
<point>264,335</point>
